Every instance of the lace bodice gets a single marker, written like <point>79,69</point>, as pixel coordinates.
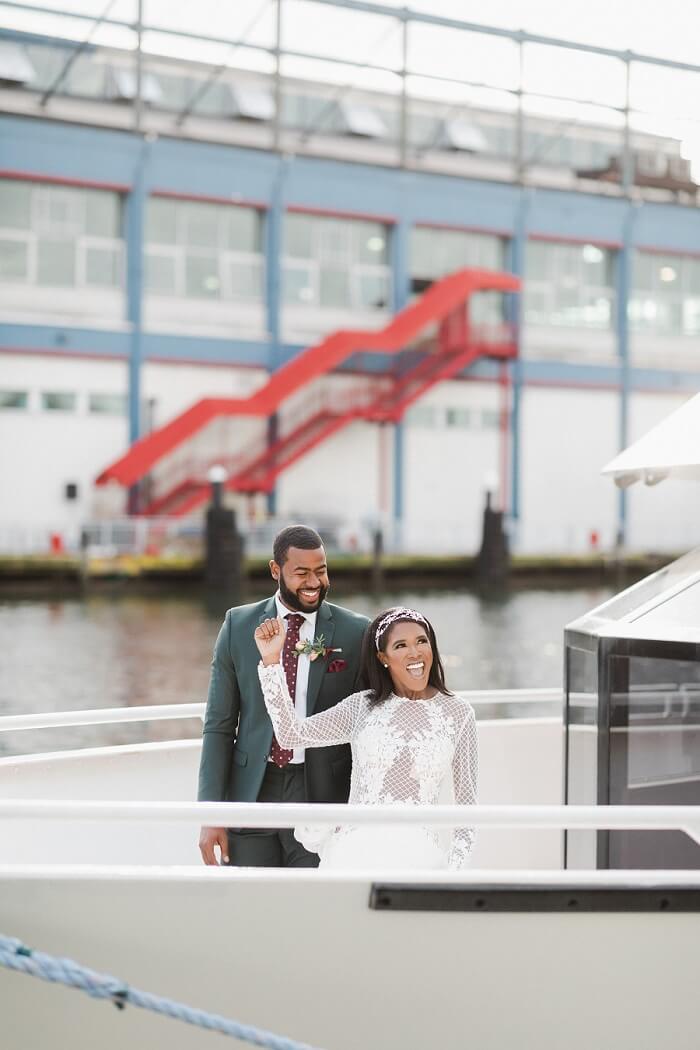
<point>402,750</point>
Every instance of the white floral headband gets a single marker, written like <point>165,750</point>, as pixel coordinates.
<point>400,613</point>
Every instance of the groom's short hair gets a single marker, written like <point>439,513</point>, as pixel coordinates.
<point>300,536</point>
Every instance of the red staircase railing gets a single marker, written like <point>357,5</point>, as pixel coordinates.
<point>256,469</point>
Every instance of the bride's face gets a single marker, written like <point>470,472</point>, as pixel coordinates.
<point>408,656</point>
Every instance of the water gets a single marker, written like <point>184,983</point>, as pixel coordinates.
<point>131,650</point>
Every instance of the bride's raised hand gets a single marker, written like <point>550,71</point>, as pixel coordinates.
<point>269,638</point>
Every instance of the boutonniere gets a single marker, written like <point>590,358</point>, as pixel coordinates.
<point>314,649</point>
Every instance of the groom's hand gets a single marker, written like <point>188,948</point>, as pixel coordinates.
<point>208,839</point>
<point>269,638</point>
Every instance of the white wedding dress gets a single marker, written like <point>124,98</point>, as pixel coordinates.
<point>403,751</point>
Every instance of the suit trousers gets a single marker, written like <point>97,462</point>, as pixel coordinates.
<point>271,847</point>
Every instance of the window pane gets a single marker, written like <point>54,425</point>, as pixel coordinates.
<point>107,404</point>
<point>243,229</point>
<point>202,277</point>
<point>161,221</point>
<point>15,204</point>
<point>58,402</point>
<point>244,281</point>
<point>161,274</point>
<point>56,263</point>
<point>371,243</point>
<point>59,213</point>
<point>199,225</point>
<point>102,214</point>
<point>335,288</point>
<point>373,290</point>
<point>298,285</point>
<point>422,416</point>
<point>458,417</point>
<point>14,260</point>
<point>298,236</point>
<point>14,399</point>
<point>103,267</point>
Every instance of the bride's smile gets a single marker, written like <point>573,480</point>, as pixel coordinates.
<point>408,657</point>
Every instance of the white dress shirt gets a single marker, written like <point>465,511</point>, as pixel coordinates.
<point>307,633</point>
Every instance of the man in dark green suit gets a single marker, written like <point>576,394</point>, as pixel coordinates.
<point>241,762</point>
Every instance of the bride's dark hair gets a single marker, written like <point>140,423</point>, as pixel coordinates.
<point>374,676</point>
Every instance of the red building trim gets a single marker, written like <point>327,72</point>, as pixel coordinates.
<point>59,180</point>
<point>336,213</point>
<point>597,242</point>
<point>207,198</point>
<point>486,231</point>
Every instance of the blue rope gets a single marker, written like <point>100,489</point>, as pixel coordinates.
<point>16,956</point>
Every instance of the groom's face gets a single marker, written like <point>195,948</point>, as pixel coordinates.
<point>302,578</point>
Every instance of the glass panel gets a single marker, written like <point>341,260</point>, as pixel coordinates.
<point>161,274</point>
<point>202,279</point>
<point>373,291</point>
<point>199,225</point>
<point>15,204</point>
<point>244,280</point>
<point>298,236</point>
<point>243,229</point>
<point>14,399</point>
<point>422,416</point>
<point>14,260</point>
<point>298,285</point>
<point>58,402</point>
<point>107,404</point>
<point>582,750</point>
<point>58,212</point>
<point>103,266</point>
<point>102,214</point>
<point>371,243</point>
<point>56,263</point>
<point>335,288</point>
<point>161,221</point>
<point>458,417</point>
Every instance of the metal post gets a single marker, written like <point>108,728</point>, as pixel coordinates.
<point>138,95</point>
<point>273,290</point>
<point>401,290</point>
<point>515,302</point>
<point>403,119</point>
<point>622,295</point>
<point>277,120</point>
<point>520,116</point>
<point>135,208</point>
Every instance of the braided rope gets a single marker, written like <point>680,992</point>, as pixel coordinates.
<point>16,956</point>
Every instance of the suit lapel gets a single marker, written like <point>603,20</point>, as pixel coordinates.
<point>325,625</point>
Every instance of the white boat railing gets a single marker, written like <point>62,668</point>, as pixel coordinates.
<point>161,712</point>
<point>289,815</point>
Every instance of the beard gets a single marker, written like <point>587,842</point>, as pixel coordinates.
<point>291,600</point>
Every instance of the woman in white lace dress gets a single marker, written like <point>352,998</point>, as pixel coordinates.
<point>411,739</point>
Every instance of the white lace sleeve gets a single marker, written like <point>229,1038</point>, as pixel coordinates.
<point>465,768</point>
<point>333,726</point>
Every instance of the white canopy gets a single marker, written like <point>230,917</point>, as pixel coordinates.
<point>671,449</point>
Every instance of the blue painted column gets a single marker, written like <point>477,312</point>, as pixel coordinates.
<point>401,291</point>
<point>516,264</point>
<point>623,285</point>
<point>273,292</point>
<point>134,236</point>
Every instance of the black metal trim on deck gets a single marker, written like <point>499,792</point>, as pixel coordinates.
<point>494,898</point>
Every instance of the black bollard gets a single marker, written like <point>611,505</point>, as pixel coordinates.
<point>377,567</point>
<point>493,560</point>
<point>223,568</point>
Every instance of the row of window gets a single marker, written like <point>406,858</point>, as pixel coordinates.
<point>433,416</point>
<point>60,237</point>
<point>63,401</point>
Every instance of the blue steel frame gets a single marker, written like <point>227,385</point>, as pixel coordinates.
<point>45,149</point>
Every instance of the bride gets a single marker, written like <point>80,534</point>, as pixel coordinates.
<point>410,736</point>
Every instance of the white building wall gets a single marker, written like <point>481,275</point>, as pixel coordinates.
<point>567,436</point>
<point>447,468</point>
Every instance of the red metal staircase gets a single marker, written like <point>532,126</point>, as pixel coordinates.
<point>322,412</point>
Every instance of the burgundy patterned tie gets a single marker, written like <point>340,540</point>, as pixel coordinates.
<point>282,756</point>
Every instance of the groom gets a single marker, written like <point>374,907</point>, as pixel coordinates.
<point>241,759</point>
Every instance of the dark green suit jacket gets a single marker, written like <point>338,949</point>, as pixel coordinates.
<point>237,728</point>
